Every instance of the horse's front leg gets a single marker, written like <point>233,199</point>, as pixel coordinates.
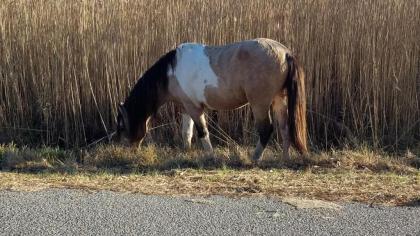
<point>203,133</point>
<point>187,130</point>
<point>197,115</point>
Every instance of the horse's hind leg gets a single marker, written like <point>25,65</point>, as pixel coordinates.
<point>264,128</point>
<point>187,130</point>
<point>280,110</point>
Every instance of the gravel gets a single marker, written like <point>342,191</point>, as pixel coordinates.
<point>76,212</point>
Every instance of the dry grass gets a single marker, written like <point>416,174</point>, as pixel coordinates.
<point>361,175</point>
<point>119,159</point>
<point>331,185</point>
<point>30,160</point>
<point>64,65</point>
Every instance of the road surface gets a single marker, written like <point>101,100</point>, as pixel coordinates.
<point>75,212</point>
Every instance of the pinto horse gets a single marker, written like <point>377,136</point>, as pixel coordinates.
<point>260,72</point>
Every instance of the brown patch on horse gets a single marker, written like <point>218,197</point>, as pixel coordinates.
<point>251,71</point>
<point>243,55</point>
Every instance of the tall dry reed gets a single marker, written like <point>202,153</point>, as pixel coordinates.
<point>64,65</point>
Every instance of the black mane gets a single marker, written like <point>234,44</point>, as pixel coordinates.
<point>144,99</point>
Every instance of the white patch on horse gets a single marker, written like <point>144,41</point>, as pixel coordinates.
<point>193,72</point>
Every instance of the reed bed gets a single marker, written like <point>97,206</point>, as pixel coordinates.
<point>64,65</point>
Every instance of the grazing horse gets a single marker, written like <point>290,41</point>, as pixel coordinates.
<point>260,72</point>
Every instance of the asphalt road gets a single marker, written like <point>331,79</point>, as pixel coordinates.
<point>73,212</point>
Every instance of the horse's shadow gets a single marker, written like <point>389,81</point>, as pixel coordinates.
<point>412,203</point>
<point>204,162</point>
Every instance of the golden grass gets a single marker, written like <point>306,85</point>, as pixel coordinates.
<point>64,65</point>
<point>362,175</point>
<point>151,158</point>
<point>331,185</point>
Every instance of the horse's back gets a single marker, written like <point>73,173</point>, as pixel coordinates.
<point>253,67</point>
<point>250,50</point>
<point>246,57</point>
<point>228,76</point>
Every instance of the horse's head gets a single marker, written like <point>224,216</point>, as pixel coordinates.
<point>147,95</point>
<point>130,130</point>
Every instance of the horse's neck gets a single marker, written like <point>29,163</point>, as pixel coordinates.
<point>146,106</point>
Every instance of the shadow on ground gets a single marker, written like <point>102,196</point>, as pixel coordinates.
<point>116,159</point>
<point>414,203</point>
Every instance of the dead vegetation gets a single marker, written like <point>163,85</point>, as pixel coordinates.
<point>330,185</point>
<point>361,175</point>
<point>66,64</point>
<point>151,158</point>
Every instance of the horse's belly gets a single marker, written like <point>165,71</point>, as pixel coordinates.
<point>224,99</point>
